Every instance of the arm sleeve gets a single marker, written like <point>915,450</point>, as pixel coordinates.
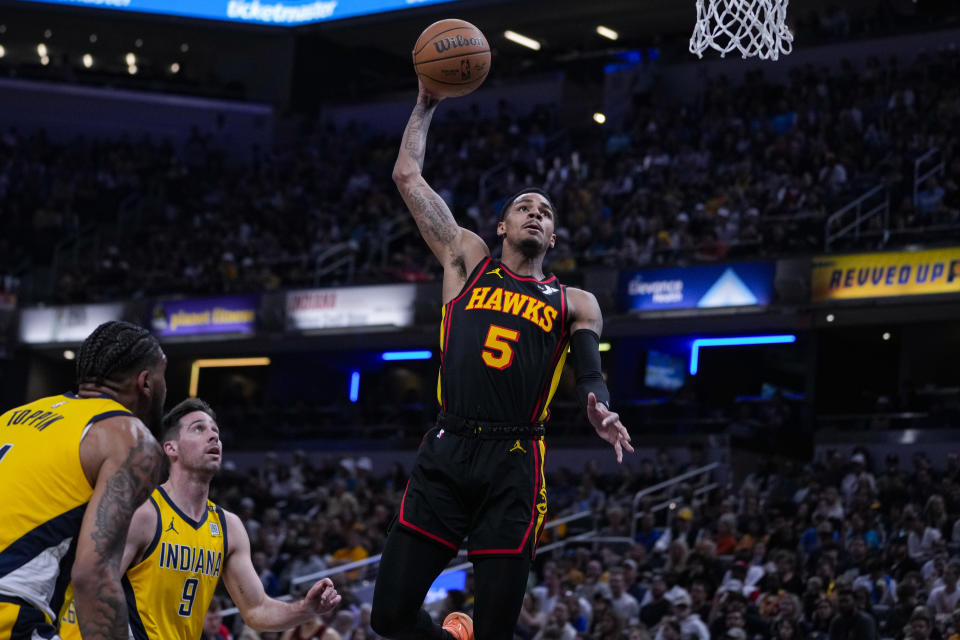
<point>585,345</point>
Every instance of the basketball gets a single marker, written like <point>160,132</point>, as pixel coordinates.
<point>452,58</point>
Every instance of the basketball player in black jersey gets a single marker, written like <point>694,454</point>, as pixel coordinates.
<point>479,472</point>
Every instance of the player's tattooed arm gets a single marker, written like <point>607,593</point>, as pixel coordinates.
<point>415,135</point>
<point>128,471</point>
<point>457,249</point>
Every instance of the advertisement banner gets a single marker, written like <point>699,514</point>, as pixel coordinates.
<point>67,324</point>
<point>270,12</point>
<point>698,287</point>
<point>883,275</point>
<point>225,315</point>
<point>347,307</point>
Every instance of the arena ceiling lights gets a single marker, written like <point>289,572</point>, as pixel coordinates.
<point>281,13</point>
<point>522,40</point>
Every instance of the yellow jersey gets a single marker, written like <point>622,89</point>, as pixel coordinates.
<point>45,494</point>
<point>169,591</point>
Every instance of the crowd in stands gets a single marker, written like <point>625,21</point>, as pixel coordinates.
<point>843,548</point>
<point>746,170</point>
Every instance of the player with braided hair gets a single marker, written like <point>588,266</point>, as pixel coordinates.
<point>74,467</point>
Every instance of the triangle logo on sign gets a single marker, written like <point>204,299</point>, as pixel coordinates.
<point>728,291</point>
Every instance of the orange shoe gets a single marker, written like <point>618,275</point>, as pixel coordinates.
<point>459,625</point>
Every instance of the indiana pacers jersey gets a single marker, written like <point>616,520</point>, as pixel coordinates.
<point>45,494</point>
<point>169,591</point>
<point>503,342</point>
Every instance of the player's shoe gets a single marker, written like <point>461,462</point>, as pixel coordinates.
<point>459,625</point>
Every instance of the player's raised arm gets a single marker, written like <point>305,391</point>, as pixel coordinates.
<point>258,610</point>
<point>125,459</point>
<point>458,250</point>
<point>585,328</point>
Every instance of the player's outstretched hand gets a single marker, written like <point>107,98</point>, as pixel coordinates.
<point>322,597</point>
<point>608,426</point>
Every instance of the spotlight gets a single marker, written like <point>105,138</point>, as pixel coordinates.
<point>42,49</point>
<point>3,51</point>
<point>93,38</point>
<point>522,40</point>
<point>131,60</point>
<point>132,69</point>
<point>47,34</point>
<point>886,335</point>
<point>87,61</point>
<point>69,355</point>
<point>138,43</point>
<point>184,47</point>
<point>599,118</point>
<point>175,67</point>
<point>607,32</point>
<point>830,317</point>
<point>44,60</point>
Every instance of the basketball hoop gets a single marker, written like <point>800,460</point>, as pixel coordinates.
<point>754,27</point>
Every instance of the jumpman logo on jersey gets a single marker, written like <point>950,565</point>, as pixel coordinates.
<point>171,528</point>
<point>495,272</point>
<point>517,447</point>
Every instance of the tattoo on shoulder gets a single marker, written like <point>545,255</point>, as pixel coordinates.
<point>126,490</point>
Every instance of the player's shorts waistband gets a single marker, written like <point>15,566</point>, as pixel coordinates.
<point>482,430</point>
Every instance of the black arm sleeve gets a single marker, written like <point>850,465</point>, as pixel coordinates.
<point>585,345</point>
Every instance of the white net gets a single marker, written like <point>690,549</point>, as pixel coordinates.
<point>753,27</point>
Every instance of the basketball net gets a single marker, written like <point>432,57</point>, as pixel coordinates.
<point>754,27</point>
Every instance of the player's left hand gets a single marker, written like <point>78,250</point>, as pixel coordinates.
<point>322,597</point>
<point>608,426</point>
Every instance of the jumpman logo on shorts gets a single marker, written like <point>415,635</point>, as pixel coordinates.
<point>171,528</point>
<point>495,272</point>
<point>516,447</point>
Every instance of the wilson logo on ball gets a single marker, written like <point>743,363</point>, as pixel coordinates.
<point>454,42</point>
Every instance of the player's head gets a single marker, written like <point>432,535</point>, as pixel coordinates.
<point>527,222</point>
<point>127,360</point>
<point>191,437</point>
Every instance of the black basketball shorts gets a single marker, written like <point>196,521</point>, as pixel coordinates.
<point>491,492</point>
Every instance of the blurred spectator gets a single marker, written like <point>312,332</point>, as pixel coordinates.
<point>657,606</point>
<point>213,627</point>
<point>532,617</point>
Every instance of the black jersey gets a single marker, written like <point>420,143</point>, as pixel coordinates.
<point>503,342</point>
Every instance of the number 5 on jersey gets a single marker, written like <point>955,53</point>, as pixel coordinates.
<point>498,352</point>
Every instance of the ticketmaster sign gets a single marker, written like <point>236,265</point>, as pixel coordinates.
<point>281,13</point>
<point>699,287</point>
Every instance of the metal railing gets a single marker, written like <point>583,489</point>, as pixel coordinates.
<point>592,535</point>
<point>392,231</point>
<point>342,256</point>
<point>850,218</point>
<point>643,493</point>
<point>310,578</point>
<point>921,175</point>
